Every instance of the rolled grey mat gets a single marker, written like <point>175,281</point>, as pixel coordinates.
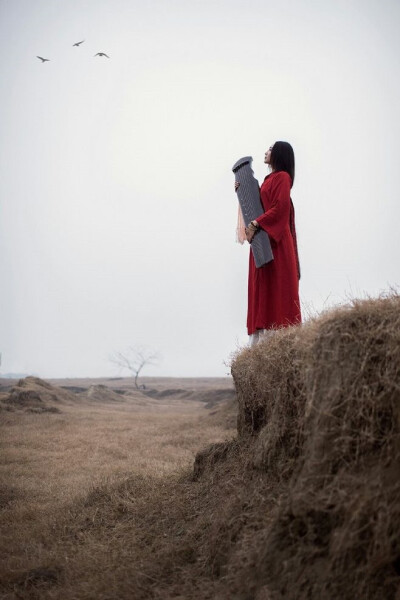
<point>249,199</point>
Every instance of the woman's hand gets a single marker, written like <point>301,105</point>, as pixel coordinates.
<point>251,230</point>
<point>237,184</point>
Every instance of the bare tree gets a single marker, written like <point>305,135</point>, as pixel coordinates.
<point>134,359</point>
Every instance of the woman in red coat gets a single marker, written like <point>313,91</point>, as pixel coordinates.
<point>273,292</point>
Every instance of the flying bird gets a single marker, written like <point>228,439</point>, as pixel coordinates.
<point>101,54</point>
<point>43,59</point>
<point>78,43</point>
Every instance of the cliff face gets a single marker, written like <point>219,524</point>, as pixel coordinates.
<point>315,505</point>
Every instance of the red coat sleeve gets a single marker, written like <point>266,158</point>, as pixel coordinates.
<point>276,217</point>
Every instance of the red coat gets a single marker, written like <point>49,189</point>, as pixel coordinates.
<point>273,293</point>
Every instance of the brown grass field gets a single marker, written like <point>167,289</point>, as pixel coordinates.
<point>110,493</point>
<point>77,486</point>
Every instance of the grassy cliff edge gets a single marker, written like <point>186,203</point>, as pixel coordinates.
<point>319,447</point>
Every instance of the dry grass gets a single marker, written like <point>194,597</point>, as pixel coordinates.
<point>320,407</point>
<point>79,488</point>
<point>304,504</point>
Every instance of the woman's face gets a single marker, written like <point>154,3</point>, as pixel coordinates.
<point>267,158</point>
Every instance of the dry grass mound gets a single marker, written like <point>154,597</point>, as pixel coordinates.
<point>102,393</point>
<point>271,395</point>
<point>32,394</point>
<point>320,409</point>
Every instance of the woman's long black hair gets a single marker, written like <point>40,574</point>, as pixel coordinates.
<point>282,158</point>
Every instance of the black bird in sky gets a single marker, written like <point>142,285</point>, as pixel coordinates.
<point>101,54</point>
<point>43,59</point>
<point>78,43</point>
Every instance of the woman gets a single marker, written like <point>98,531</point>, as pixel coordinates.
<point>273,292</point>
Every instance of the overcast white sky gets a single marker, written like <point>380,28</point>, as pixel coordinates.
<point>117,206</point>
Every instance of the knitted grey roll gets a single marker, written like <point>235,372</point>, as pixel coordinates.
<point>248,194</point>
